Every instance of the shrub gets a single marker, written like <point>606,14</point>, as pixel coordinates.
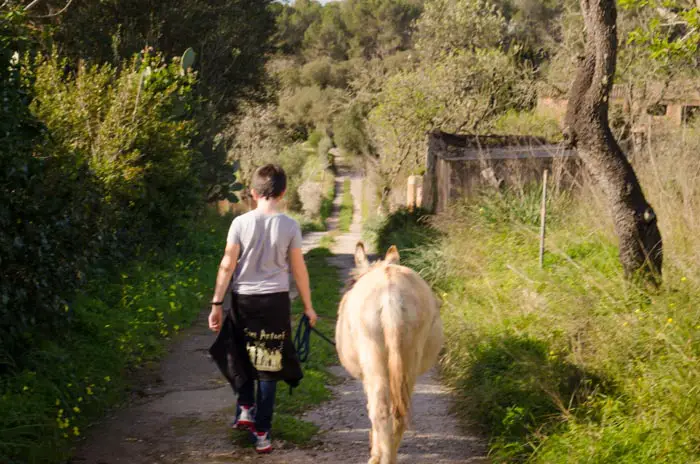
<point>95,161</point>
<point>130,127</point>
<point>311,197</point>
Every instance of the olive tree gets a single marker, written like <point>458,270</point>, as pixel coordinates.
<point>588,129</point>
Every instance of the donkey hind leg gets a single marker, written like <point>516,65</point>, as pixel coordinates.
<point>378,406</point>
<point>399,427</point>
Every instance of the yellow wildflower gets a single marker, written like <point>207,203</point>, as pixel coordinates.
<point>683,279</point>
<point>670,320</point>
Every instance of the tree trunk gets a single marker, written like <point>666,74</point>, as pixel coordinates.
<point>588,129</point>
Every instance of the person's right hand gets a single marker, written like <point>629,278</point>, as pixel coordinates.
<point>311,314</point>
<point>216,318</point>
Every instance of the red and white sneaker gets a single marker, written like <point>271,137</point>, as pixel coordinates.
<point>263,443</point>
<point>245,421</point>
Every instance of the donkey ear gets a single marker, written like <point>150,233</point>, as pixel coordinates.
<point>392,255</point>
<point>360,256</point>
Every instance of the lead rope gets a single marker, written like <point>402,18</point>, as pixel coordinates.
<point>302,338</point>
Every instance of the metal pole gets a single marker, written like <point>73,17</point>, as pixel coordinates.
<point>543,217</point>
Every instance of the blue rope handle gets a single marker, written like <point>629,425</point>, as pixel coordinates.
<point>302,338</point>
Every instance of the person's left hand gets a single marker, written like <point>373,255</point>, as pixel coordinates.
<point>311,314</point>
<point>216,318</point>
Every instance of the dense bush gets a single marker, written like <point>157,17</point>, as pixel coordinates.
<point>96,163</point>
<point>131,128</point>
<point>41,217</point>
<point>311,197</point>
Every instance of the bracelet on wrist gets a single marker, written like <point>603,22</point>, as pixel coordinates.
<point>217,303</point>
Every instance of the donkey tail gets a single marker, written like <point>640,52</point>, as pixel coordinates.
<point>399,389</point>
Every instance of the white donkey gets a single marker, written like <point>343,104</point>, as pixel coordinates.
<point>389,332</point>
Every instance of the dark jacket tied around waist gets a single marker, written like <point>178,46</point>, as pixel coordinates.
<point>255,341</point>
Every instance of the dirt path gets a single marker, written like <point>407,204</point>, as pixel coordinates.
<point>182,415</point>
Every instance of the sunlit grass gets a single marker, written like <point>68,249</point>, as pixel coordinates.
<point>346,208</point>
<point>569,363</point>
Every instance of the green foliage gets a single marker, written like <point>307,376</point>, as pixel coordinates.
<point>353,28</point>
<point>528,123</point>
<point>95,159</point>
<point>308,108</point>
<point>327,37</point>
<point>380,28</point>
<point>257,139</point>
<point>408,230</point>
<point>350,131</point>
<point>119,321</point>
<point>230,38</point>
<point>671,34</point>
<point>446,26</point>
<point>132,128</point>
<point>32,224</point>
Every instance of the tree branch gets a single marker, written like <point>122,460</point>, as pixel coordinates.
<point>59,12</point>
<point>31,5</point>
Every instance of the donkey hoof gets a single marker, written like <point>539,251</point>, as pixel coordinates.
<point>374,460</point>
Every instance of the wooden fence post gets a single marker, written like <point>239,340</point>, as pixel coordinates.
<point>543,217</point>
<point>411,193</point>
<point>430,187</point>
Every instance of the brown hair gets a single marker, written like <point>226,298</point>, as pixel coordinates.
<point>269,181</point>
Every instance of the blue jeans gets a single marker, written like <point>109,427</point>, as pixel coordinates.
<point>264,405</point>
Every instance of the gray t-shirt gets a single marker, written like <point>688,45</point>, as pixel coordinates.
<point>263,262</point>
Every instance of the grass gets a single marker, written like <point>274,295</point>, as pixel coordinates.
<point>570,363</point>
<point>313,390</point>
<point>328,240</point>
<point>408,230</point>
<point>346,208</point>
<point>120,324</point>
<point>365,205</point>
